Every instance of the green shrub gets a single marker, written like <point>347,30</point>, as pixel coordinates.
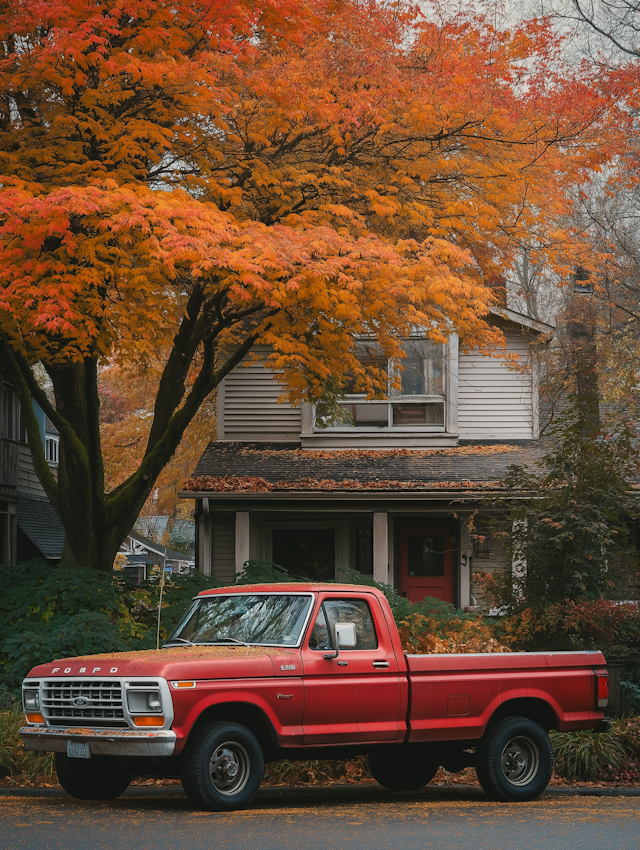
<point>56,612</point>
<point>177,595</point>
<point>568,518</point>
<point>265,572</point>
<point>627,731</point>
<point>584,624</point>
<point>587,756</point>
<point>88,633</point>
<point>17,763</point>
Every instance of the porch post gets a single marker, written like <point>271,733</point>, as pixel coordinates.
<point>466,553</point>
<point>381,547</point>
<point>242,539</point>
<point>205,538</point>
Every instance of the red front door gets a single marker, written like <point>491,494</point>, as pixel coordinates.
<point>426,560</point>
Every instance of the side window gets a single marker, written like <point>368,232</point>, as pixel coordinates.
<point>334,611</point>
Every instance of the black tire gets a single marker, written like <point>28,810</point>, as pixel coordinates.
<point>401,769</point>
<point>222,767</point>
<point>97,778</point>
<point>515,760</point>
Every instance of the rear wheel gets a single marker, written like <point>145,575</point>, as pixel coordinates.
<point>515,760</point>
<point>97,778</point>
<point>222,767</point>
<point>401,769</point>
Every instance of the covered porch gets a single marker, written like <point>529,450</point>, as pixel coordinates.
<point>400,516</point>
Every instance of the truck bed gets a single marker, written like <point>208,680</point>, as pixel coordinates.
<point>453,696</point>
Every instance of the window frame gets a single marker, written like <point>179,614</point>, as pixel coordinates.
<point>394,399</point>
<point>303,631</point>
<point>52,449</point>
<point>311,625</point>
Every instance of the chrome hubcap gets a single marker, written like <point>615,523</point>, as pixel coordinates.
<point>229,768</point>
<point>520,761</point>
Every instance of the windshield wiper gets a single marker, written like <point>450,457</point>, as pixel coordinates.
<point>181,640</point>
<point>222,641</point>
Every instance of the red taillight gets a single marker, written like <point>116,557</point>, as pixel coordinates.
<point>603,688</point>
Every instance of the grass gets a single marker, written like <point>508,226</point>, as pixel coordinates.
<point>17,765</point>
<point>587,756</point>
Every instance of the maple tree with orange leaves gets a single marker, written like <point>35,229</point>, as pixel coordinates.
<point>184,179</point>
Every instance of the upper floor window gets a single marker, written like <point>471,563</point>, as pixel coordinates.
<point>415,390</point>
<point>52,449</point>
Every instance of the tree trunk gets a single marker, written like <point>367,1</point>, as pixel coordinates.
<point>92,538</point>
<point>80,473</point>
<point>96,522</point>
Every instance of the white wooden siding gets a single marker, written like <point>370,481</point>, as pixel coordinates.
<point>249,408</point>
<point>494,401</point>
<point>224,550</point>
<point>28,483</point>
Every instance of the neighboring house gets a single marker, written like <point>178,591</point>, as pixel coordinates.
<point>29,527</point>
<point>390,490</point>
<point>178,532</point>
<point>143,554</point>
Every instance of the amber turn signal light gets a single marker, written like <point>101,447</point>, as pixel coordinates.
<point>183,685</point>
<point>148,721</point>
<point>35,718</point>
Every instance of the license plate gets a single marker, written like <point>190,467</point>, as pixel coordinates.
<point>78,750</point>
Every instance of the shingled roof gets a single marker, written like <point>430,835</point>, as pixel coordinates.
<point>267,467</point>
<point>38,520</point>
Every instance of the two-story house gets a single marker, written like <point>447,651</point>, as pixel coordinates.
<point>390,487</point>
<point>29,526</point>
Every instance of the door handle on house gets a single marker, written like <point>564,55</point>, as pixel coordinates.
<point>380,663</point>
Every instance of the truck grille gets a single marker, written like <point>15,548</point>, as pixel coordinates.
<point>103,706</point>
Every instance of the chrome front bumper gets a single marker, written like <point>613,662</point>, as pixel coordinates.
<point>102,742</point>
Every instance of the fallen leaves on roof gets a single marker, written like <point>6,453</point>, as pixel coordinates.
<point>349,454</point>
<point>254,484</point>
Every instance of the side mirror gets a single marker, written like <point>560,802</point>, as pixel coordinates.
<point>345,637</point>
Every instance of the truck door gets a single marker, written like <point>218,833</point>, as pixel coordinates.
<point>356,695</point>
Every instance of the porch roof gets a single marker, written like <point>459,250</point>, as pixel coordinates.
<point>234,468</point>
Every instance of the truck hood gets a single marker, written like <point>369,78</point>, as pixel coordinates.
<point>180,662</point>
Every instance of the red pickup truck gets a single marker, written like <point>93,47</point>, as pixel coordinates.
<point>303,671</point>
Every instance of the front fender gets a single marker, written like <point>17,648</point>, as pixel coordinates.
<point>281,701</point>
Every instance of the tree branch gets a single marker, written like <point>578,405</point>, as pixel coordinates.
<point>599,30</point>
<point>139,485</point>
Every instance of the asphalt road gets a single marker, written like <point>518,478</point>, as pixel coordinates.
<point>338,818</point>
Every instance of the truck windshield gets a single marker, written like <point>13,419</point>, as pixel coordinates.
<point>262,619</point>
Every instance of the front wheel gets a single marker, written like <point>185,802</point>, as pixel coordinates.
<point>97,778</point>
<point>222,767</point>
<point>401,769</point>
<point>515,761</point>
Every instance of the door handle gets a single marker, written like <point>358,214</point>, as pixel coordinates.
<point>380,664</point>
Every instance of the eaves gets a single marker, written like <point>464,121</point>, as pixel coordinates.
<point>333,495</point>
